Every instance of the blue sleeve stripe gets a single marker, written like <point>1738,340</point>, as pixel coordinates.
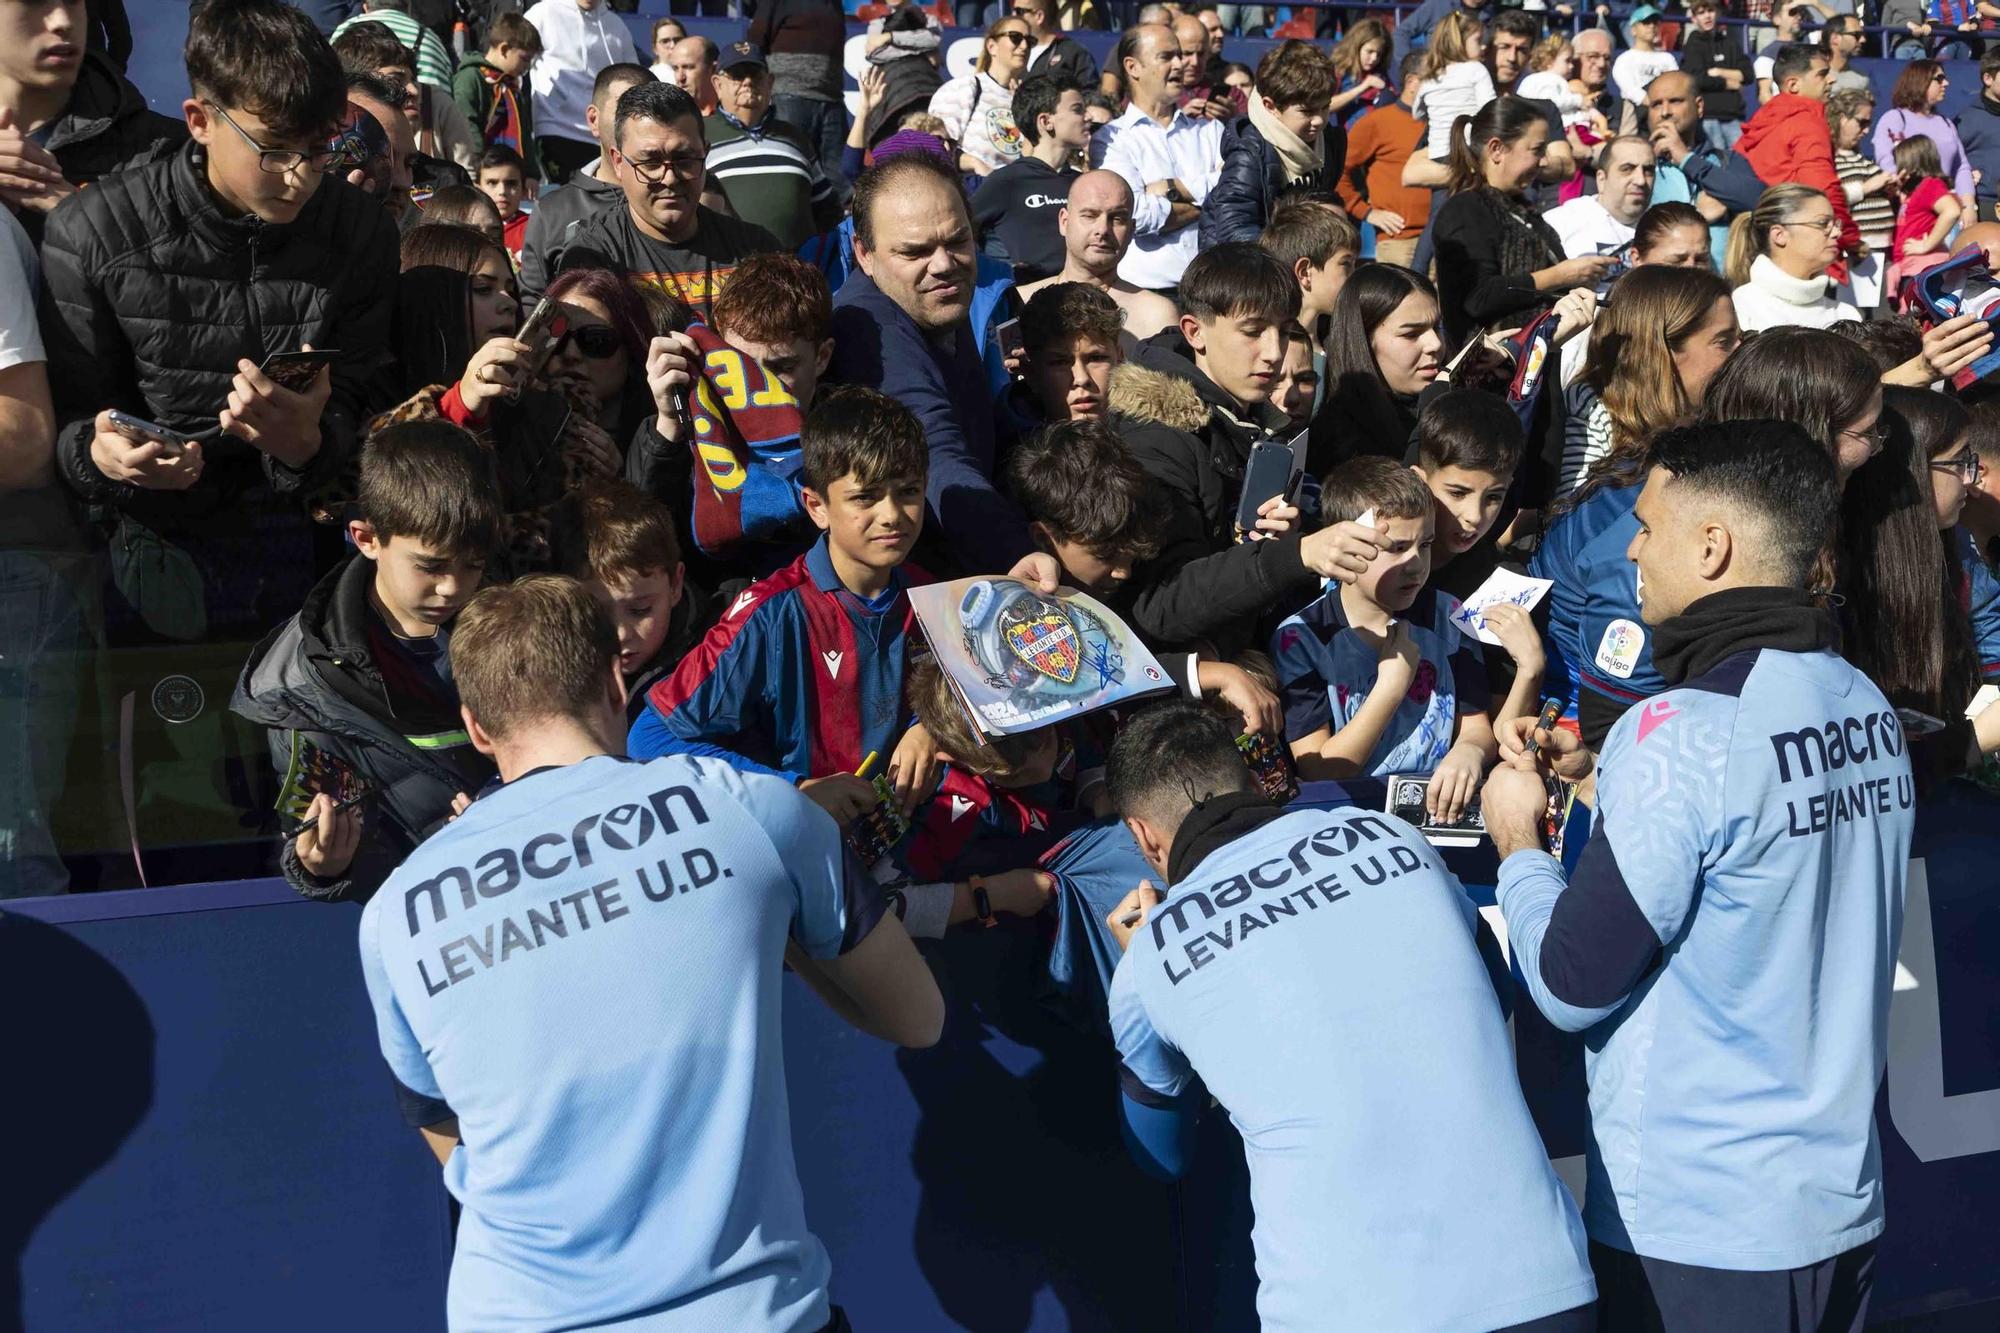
<point>1599,943</point>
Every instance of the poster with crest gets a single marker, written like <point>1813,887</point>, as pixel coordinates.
<point>1019,660</point>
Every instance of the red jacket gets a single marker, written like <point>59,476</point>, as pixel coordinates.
<point>1788,140</point>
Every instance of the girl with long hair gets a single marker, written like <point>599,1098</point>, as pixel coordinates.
<point>1818,381</point>
<point>1382,350</point>
<point>1778,258</point>
<point>1362,62</point>
<point>1497,261</point>
<point>1456,80</point>
<point>1653,351</point>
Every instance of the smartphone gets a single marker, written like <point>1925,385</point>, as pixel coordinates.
<point>296,370</point>
<point>1009,335</point>
<point>1408,795</point>
<point>1269,474</point>
<point>144,431</point>
<point>539,333</point>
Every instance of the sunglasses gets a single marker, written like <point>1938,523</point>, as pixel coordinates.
<point>599,342</point>
<point>1018,38</point>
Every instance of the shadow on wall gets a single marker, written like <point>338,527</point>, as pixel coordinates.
<point>78,1056</point>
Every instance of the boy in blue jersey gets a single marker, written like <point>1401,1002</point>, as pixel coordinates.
<point>1375,677</point>
<point>1729,933</point>
<point>1316,970</point>
<point>555,967</point>
<point>803,675</point>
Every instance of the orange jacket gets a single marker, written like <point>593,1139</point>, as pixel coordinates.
<point>1787,140</point>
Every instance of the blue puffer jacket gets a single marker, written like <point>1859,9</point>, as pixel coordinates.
<point>1253,181</point>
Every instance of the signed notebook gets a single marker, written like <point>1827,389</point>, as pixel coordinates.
<point>1018,660</point>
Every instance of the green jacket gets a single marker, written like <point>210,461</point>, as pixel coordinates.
<point>472,90</point>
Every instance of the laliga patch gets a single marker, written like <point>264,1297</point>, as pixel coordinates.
<point>1618,651</point>
<point>178,699</point>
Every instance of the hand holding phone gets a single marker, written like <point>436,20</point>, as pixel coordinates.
<point>276,420</point>
<point>1267,476</point>
<point>135,452</point>
<point>544,325</point>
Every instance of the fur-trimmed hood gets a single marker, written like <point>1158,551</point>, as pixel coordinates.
<point>1157,396</point>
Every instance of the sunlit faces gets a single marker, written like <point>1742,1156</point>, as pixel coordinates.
<point>797,364</point>
<point>41,44</point>
<point>1701,353</point>
<point>1625,180</point>
<point>417,587</point>
<point>235,143</point>
<point>1084,569</point>
<point>1154,68</point>
<point>1685,246</point>
<point>923,253</point>
<point>1007,51</point>
<point>1510,57</point>
<point>870,526</point>
<point>1240,353</point>
<point>1298,381</point>
<point>660,169</point>
<point>492,305</point>
<point>641,607</point>
<point>1806,245</point>
<point>1097,222</point>
<point>689,65</point>
<point>1667,550</point>
<point>744,92</point>
<point>1071,378</point>
<point>504,186</point>
<point>574,366</point>
<point>1304,121</point>
<point>1467,502</point>
<point>1949,483</point>
<point>1407,344</point>
<point>1395,576</point>
<point>1511,166</point>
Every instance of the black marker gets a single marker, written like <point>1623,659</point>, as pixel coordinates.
<point>313,823</point>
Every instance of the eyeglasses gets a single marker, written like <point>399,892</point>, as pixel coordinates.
<point>1018,38</point>
<point>1828,224</point>
<point>1968,468</point>
<point>1874,437</point>
<point>654,170</point>
<point>278,161</point>
<point>599,342</point>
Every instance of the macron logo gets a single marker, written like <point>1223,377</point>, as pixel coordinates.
<point>960,808</point>
<point>1653,714</point>
<point>833,661</point>
<point>741,604</point>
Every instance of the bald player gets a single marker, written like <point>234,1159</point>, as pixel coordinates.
<point>1096,225</point>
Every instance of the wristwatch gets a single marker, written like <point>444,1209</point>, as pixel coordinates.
<point>982,902</point>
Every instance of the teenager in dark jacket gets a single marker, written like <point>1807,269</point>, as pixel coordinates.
<point>1284,146</point>
<point>1190,405</point>
<point>77,117</point>
<point>356,689</point>
<point>1714,55</point>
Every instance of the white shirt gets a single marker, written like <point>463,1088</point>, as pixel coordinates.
<point>1137,148</point>
<point>1587,228</point>
<point>1774,299</point>
<point>576,44</point>
<point>20,278</point>
<point>1632,71</point>
<point>1460,90</point>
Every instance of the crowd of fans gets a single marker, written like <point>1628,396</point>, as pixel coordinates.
<point>273,408</point>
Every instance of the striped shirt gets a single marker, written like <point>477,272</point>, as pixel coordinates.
<point>1874,216</point>
<point>434,63</point>
<point>772,177</point>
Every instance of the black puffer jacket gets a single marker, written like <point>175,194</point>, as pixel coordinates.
<point>1252,181</point>
<point>106,128</point>
<point>1204,587</point>
<point>314,685</point>
<point>150,295</point>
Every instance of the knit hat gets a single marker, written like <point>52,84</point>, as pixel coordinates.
<point>912,141</point>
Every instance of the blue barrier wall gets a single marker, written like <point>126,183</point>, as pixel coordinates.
<point>201,1134</point>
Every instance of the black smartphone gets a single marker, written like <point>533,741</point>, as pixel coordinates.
<point>1009,336</point>
<point>1267,476</point>
<point>295,370</point>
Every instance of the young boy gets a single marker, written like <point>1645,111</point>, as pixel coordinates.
<point>1019,202</point>
<point>803,675</point>
<point>1319,246</point>
<point>619,543</point>
<point>1070,345</point>
<point>356,688</point>
<point>1088,503</point>
<point>1469,444</point>
<point>492,90</point>
<point>1376,678</point>
<point>1296,392</point>
<point>503,178</point>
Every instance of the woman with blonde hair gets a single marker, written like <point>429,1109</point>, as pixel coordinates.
<point>1778,257</point>
<point>978,108</point>
<point>1362,63</point>
<point>1657,342</point>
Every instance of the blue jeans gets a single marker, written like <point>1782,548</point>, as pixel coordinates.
<point>44,619</point>
<point>825,126</point>
<point>1722,134</point>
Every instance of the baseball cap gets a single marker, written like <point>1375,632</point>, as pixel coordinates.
<point>737,54</point>
<point>1645,14</point>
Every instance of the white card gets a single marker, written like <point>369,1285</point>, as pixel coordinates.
<point>1501,586</point>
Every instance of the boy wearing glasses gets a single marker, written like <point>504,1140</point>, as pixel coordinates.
<point>167,287</point>
<point>664,238</point>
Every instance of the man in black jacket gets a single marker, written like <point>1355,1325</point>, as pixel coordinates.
<point>165,288</point>
<point>1190,406</point>
<point>69,115</point>
<point>592,190</point>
